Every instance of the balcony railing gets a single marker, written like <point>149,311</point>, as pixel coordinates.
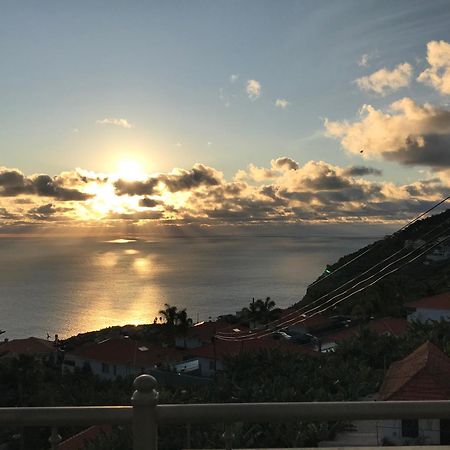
<point>145,414</point>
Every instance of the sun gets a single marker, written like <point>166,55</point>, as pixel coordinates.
<point>130,170</point>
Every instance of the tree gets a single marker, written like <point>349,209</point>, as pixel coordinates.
<point>169,314</point>
<point>183,323</point>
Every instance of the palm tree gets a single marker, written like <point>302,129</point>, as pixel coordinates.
<point>183,323</point>
<point>169,314</point>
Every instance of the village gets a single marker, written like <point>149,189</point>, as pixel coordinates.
<point>199,354</point>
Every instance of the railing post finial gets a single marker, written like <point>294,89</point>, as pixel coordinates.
<point>144,401</point>
<point>145,393</point>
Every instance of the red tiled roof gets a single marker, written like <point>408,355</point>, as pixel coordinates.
<point>29,346</point>
<point>313,323</point>
<point>79,440</point>
<point>126,351</point>
<point>422,375</point>
<point>440,301</point>
<point>233,348</point>
<point>204,331</point>
<point>396,326</point>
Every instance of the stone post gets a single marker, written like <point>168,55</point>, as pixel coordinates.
<point>144,401</point>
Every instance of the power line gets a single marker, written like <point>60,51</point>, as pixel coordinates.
<point>302,311</point>
<point>302,318</point>
<point>223,333</point>
<point>372,247</point>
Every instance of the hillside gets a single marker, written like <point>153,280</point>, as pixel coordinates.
<point>388,296</point>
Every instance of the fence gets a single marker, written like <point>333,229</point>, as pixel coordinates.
<point>145,414</point>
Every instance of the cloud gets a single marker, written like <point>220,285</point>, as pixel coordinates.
<point>147,202</point>
<point>126,187</point>
<point>14,183</point>
<point>385,81</point>
<point>364,60</point>
<point>116,122</point>
<point>47,212</point>
<point>281,103</point>
<point>438,74</point>
<point>284,191</point>
<point>360,171</point>
<point>199,175</point>
<point>284,162</point>
<point>408,133</point>
<point>253,89</point>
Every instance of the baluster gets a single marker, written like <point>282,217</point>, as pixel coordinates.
<point>188,435</point>
<point>228,436</point>
<point>144,401</point>
<point>54,439</point>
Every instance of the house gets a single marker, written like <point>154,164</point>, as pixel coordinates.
<point>210,358</point>
<point>436,307</point>
<point>388,326</point>
<point>121,356</point>
<point>422,375</point>
<point>32,346</point>
<point>200,334</point>
<point>307,325</point>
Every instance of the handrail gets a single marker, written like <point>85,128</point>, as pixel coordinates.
<point>264,412</point>
<point>66,415</point>
<point>227,412</point>
<point>145,415</point>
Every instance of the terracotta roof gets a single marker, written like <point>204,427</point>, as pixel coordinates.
<point>395,326</point>
<point>80,440</point>
<point>128,351</point>
<point>440,301</point>
<point>422,375</point>
<point>313,323</point>
<point>233,348</point>
<point>204,331</point>
<point>29,346</point>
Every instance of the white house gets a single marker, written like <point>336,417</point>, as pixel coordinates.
<point>123,356</point>
<point>422,375</point>
<point>199,334</point>
<point>436,307</point>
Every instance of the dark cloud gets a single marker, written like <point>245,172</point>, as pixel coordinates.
<point>46,212</point>
<point>431,150</point>
<point>14,183</point>
<point>359,171</point>
<point>285,162</point>
<point>124,187</point>
<point>147,202</point>
<point>185,180</point>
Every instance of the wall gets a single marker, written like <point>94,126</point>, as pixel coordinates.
<point>424,314</point>
<point>391,430</point>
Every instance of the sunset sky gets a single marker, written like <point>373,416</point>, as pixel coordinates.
<point>140,114</point>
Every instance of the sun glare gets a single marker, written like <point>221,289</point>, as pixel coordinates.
<point>130,170</point>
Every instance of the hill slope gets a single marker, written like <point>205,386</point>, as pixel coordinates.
<point>386,297</point>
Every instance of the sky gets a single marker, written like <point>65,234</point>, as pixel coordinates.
<point>141,114</point>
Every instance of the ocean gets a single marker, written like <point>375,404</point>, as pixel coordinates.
<point>68,286</point>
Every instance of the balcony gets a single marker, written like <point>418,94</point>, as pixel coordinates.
<point>145,415</point>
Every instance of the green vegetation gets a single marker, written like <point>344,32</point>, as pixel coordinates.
<point>388,296</point>
<point>356,369</point>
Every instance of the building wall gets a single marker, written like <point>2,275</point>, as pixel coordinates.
<point>424,314</point>
<point>103,370</point>
<point>390,432</point>
<point>189,342</point>
<point>207,366</point>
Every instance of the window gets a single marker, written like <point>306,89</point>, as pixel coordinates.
<point>105,368</point>
<point>211,365</point>
<point>410,428</point>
